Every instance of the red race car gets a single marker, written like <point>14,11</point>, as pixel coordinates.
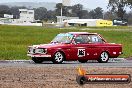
<point>73,46</point>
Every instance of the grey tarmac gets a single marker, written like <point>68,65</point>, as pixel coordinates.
<point>118,62</point>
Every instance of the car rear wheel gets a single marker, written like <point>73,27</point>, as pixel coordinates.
<point>104,57</point>
<point>83,61</point>
<point>58,58</point>
<point>37,60</point>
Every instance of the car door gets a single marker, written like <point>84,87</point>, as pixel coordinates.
<point>86,47</point>
<point>94,47</point>
<point>80,47</point>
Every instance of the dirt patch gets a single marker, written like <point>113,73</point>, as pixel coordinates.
<point>43,77</point>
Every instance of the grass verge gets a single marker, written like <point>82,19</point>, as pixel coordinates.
<point>16,39</point>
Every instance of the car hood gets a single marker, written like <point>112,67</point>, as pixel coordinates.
<point>48,45</point>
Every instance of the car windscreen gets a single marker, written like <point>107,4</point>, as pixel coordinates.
<point>63,38</point>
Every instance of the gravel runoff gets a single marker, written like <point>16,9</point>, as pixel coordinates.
<point>54,77</point>
<point>39,76</point>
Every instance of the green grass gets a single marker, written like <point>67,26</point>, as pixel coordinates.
<point>16,39</point>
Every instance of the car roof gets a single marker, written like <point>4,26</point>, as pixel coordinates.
<point>77,33</point>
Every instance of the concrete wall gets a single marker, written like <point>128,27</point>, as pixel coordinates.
<point>26,24</point>
<point>91,23</point>
<point>63,18</point>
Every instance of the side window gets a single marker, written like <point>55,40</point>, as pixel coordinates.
<point>78,39</point>
<point>82,39</point>
<point>95,39</point>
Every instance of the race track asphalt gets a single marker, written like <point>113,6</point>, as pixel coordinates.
<point>29,63</point>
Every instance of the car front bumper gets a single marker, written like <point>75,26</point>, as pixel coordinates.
<point>38,55</point>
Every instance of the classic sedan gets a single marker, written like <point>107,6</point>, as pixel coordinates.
<point>73,46</point>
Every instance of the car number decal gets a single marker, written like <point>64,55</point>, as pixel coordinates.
<point>81,53</point>
<point>95,39</point>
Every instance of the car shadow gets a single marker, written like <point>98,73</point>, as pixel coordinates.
<point>70,62</point>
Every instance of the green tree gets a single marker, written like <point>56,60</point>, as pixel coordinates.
<point>96,13</point>
<point>65,10</point>
<point>71,11</point>
<point>15,11</point>
<point>40,13</point>
<point>109,15</point>
<point>84,14</point>
<point>129,17</point>
<point>119,7</point>
<point>76,10</point>
<point>4,10</point>
<point>51,15</point>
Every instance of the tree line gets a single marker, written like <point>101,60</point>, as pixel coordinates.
<point>117,9</point>
<point>42,13</point>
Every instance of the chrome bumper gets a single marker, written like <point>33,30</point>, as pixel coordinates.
<point>38,55</point>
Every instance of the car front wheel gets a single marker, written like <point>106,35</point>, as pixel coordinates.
<point>37,60</point>
<point>104,57</point>
<point>58,58</point>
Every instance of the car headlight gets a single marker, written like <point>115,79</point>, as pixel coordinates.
<point>30,50</point>
<point>41,51</point>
